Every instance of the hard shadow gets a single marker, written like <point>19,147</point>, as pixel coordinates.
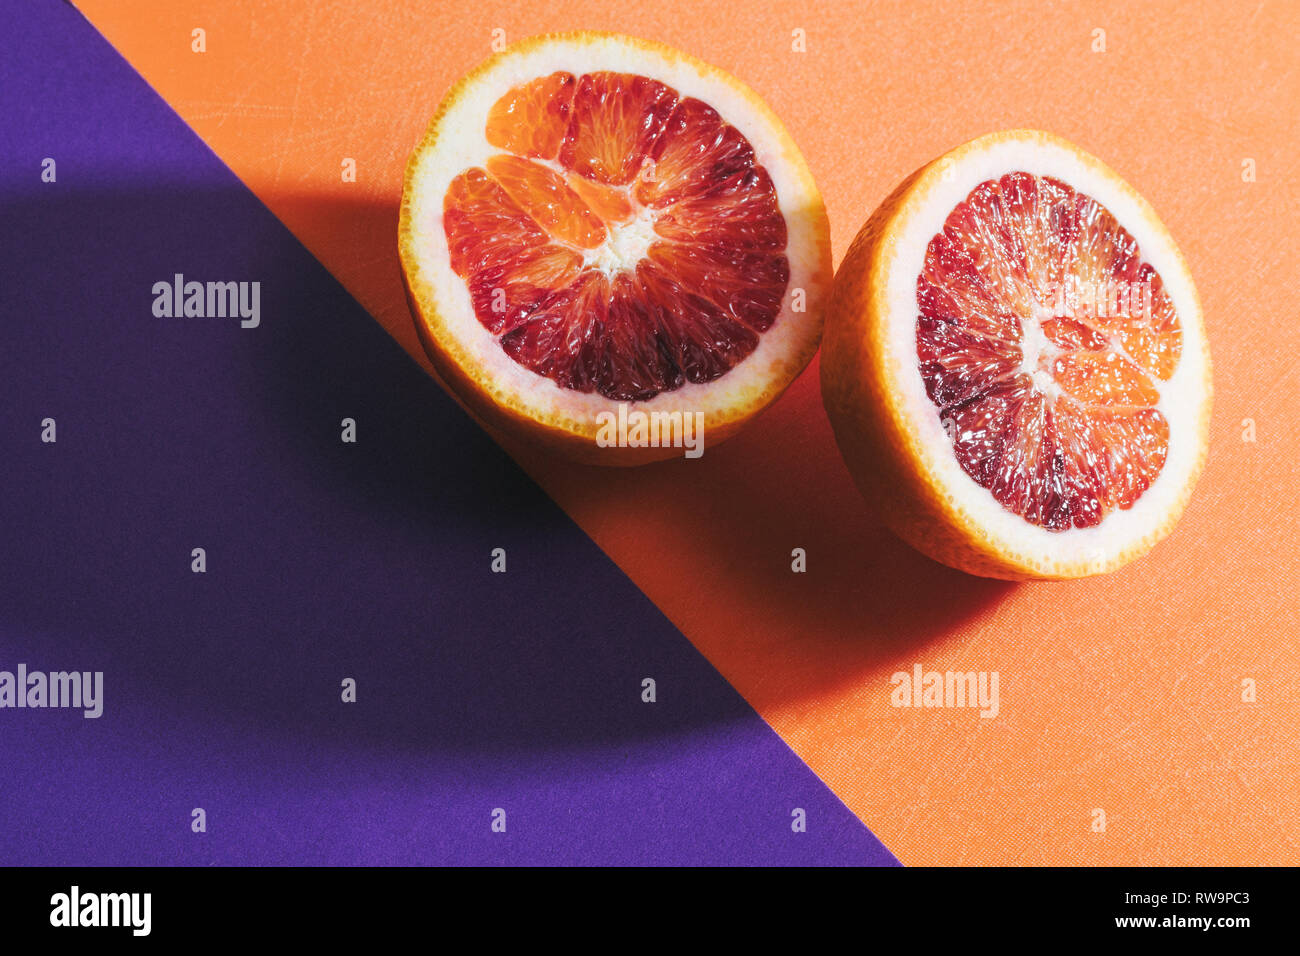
<point>370,560</point>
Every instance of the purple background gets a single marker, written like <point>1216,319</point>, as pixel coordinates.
<point>325,560</point>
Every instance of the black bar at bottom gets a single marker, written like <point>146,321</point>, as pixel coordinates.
<point>946,906</point>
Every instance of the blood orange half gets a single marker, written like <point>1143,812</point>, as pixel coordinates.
<point>597,228</point>
<point>1015,363</point>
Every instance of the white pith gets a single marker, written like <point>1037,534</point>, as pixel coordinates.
<point>626,243</point>
<point>1184,400</point>
<point>462,144</point>
<point>1037,351</point>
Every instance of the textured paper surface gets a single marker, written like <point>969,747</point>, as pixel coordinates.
<point>1122,694</point>
<point>476,692</point>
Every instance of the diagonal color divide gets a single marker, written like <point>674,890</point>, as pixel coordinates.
<point>1122,694</point>
<point>481,698</point>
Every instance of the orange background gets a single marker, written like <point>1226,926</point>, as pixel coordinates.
<point>1121,693</point>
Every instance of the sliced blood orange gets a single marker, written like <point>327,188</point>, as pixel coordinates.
<point>593,221</point>
<point>1015,363</point>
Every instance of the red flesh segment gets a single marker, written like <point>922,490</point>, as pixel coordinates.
<point>607,202</point>
<point>616,119</point>
<point>509,263</point>
<point>1068,432</point>
<point>548,201</point>
<point>693,307</point>
<point>696,152</point>
<point>531,119</point>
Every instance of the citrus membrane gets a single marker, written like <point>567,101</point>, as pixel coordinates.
<point>1043,337</point>
<point>637,239</point>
